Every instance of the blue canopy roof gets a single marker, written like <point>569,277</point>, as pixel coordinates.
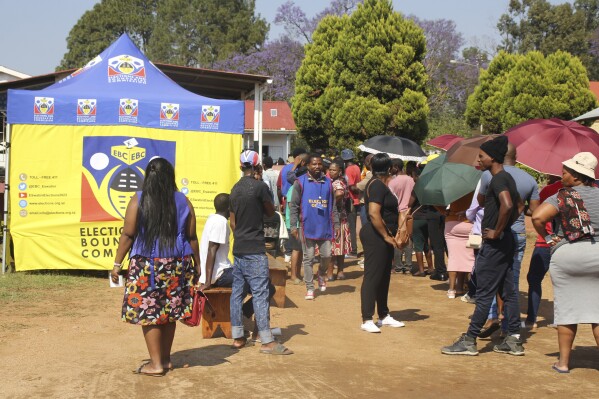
<point>122,87</point>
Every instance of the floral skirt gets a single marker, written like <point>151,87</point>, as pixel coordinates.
<point>158,294</point>
<point>342,245</point>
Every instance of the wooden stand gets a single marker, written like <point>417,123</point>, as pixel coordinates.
<point>278,277</point>
<point>220,299</point>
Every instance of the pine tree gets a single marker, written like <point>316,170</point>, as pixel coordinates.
<point>363,75</point>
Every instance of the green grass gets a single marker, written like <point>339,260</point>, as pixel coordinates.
<point>24,286</point>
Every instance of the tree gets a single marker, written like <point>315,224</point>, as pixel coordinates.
<point>280,59</point>
<point>363,75</point>
<point>442,45</point>
<point>516,88</point>
<point>103,24</point>
<point>537,25</point>
<point>297,25</point>
<point>199,33</point>
<point>191,33</point>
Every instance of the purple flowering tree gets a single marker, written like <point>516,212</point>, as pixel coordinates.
<point>282,57</point>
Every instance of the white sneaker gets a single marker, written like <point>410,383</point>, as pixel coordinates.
<point>309,295</point>
<point>390,322</point>
<point>322,283</point>
<point>287,258</point>
<point>466,298</point>
<point>370,327</point>
<point>451,294</point>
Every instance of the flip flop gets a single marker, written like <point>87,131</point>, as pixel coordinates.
<point>278,349</point>
<point>560,370</point>
<point>149,374</point>
<point>248,343</point>
<point>486,332</point>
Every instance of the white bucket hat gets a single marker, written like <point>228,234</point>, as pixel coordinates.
<point>584,163</point>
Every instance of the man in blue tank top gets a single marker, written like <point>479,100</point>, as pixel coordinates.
<point>313,205</point>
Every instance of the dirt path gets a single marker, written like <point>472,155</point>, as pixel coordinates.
<point>73,346</point>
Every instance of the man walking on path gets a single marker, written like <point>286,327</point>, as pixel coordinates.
<point>496,256</point>
<point>313,204</point>
<point>250,201</point>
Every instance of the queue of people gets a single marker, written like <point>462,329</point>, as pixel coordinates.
<point>321,202</point>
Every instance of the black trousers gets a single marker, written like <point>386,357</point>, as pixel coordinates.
<point>494,274</point>
<point>378,257</point>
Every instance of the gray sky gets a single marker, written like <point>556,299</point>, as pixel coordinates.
<point>33,32</point>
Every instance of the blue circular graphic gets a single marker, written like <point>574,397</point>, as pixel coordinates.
<point>22,203</point>
<point>22,186</point>
<point>185,190</point>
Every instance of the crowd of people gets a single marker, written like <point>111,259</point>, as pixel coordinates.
<point>320,197</point>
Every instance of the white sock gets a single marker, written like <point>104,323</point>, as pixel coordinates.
<point>516,335</point>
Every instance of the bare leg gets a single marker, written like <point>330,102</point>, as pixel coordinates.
<point>565,339</point>
<point>499,307</point>
<point>340,266</point>
<point>461,276</point>
<point>166,343</point>
<point>429,261</point>
<point>331,268</point>
<point>153,337</point>
<point>420,261</point>
<point>452,279</point>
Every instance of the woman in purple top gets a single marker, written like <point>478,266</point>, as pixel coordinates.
<point>160,231</point>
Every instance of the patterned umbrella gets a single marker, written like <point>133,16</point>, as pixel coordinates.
<point>396,147</point>
<point>543,144</point>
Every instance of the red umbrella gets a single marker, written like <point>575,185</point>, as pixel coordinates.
<point>466,151</point>
<point>445,141</point>
<point>543,144</point>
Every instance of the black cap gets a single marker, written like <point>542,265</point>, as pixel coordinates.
<point>496,148</point>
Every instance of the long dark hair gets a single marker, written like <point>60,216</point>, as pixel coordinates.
<point>157,213</point>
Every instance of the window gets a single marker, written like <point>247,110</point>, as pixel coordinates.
<point>273,112</point>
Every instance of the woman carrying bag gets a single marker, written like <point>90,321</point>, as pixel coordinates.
<point>160,231</point>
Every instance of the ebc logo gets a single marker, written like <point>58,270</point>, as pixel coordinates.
<point>126,68</point>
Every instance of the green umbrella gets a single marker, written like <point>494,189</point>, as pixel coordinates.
<point>443,182</point>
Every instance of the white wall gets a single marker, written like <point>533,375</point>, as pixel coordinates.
<point>277,143</point>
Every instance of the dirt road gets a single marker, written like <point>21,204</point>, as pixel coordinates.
<point>72,345</point>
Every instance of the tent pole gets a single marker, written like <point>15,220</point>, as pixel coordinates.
<point>6,193</point>
<point>256,108</point>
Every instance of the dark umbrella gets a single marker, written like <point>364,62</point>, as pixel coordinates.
<point>396,147</point>
<point>466,151</point>
<point>543,144</point>
<point>442,182</point>
<point>445,141</point>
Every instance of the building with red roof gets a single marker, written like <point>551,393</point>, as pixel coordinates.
<point>278,128</point>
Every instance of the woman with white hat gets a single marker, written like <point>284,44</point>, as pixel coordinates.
<point>574,263</point>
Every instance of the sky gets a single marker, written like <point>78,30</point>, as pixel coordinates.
<point>33,33</point>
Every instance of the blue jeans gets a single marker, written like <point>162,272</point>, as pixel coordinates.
<point>539,265</point>
<point>494,274</point>
<point>520,241</point>
<point>251,269</point>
